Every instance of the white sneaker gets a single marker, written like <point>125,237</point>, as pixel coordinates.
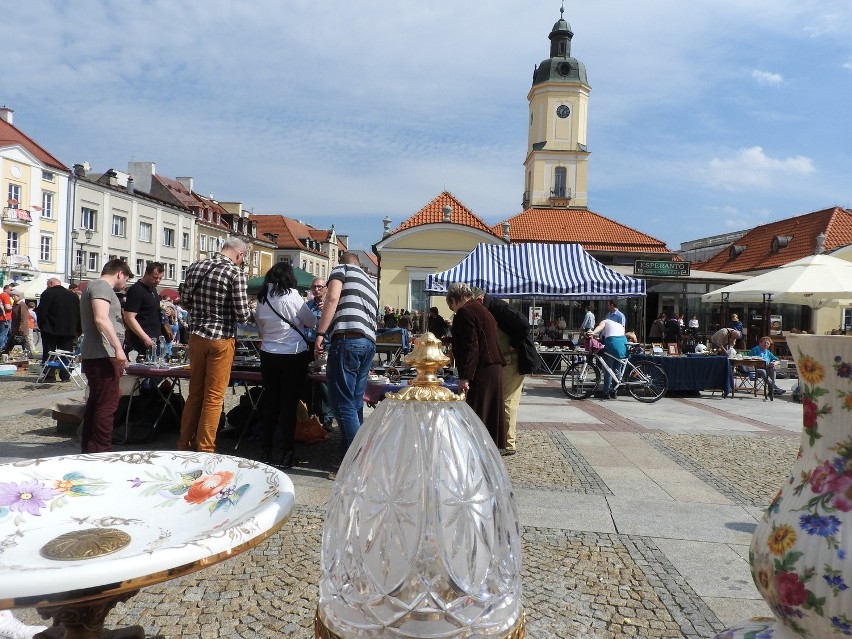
<point>11,628</point>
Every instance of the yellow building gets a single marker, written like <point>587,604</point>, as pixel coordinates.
<point>435,238</point>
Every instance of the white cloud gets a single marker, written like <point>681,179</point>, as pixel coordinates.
<point>765,78</point>
<point>752,168</point>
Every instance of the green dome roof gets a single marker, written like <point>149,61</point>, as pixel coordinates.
<point>560,66</point>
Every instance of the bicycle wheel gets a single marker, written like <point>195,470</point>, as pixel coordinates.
<point>647,382</point>
<point>580,380</point>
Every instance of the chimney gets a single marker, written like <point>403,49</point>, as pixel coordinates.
<point>80,170</point>
<point>448,212</point>
<point>820,244</point>
<point>112,177</point>
<point>187,184</point>
<point>6,114</point>
<point>130,189</point>
<point>142,172</point>
<point>506,228</point>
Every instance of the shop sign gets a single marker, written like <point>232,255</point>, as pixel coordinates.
<point>660,268</point>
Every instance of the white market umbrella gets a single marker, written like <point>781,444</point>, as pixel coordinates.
<point>816,281</point>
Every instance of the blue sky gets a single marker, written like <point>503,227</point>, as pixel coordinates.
<point>705,117</point>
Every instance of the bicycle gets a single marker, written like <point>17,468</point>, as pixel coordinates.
<point>645,381</point>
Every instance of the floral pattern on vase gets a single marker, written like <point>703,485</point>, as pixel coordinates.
<point>799,551</point>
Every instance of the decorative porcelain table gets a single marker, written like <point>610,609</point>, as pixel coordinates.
<point>81,533</point>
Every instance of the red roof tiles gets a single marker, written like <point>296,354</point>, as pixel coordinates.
<point>10,135</point>
<point>290,232</point>
<point>593,231</point>
<point>433,213</point>
<point>758,252</point>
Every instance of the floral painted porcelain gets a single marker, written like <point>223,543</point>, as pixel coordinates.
<point>800,551</point>
<point>126,520</point>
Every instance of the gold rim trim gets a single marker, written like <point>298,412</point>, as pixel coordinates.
<point>426,357</point>
<point>85,544</point>
<point>321,631</point>
<point>137,583</point>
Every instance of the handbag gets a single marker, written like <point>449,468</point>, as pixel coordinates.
<point>594,346</point>
<point>293,326</point>
<point>167,332</point>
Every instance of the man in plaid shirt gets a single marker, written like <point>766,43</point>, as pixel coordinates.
<point>215,296</point>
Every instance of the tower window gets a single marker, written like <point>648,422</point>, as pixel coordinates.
<point>560,181</point>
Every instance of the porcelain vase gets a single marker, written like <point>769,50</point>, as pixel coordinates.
<point>800,553</point>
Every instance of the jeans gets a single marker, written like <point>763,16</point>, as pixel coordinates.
<point>103,375</point>
<point>769,372</point>
<point>210,371</point>
<point>617,347</point>
<point>349,361</point>
<point>5,327</point>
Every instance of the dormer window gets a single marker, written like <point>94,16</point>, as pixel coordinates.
<point>736,250</point>
<point>779,242</point>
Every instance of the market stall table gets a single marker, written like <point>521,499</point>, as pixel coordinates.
<point>693,372</point>
<point>174,374</point>
<point>89,531</point>
<point>377,389</point>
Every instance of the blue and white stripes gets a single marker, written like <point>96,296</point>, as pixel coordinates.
<point>537,270</point>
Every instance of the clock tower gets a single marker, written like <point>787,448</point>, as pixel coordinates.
<point>556,166</point>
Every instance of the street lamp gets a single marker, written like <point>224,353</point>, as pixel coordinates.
<point>75,239</point>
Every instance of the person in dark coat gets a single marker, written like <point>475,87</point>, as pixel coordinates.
<point>520,355</point>
<point>478,360</point>
<point>58,315</point>
<point>672,331</point>
<point>436,324</point>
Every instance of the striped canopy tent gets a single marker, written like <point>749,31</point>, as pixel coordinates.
<point>546,271</point>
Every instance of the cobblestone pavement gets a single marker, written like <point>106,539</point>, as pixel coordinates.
<point>601,585</point>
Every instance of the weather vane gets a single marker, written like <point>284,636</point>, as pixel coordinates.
<point>562,10</point>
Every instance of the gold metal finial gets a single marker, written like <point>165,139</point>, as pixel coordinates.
<point>427,357</point>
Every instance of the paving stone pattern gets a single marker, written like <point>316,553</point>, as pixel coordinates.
<point>747,470</point>
<point>583,585</point>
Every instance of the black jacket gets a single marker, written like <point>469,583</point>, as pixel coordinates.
<point>516,326</point>
<point>59,312</point>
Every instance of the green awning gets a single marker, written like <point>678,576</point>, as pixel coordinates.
<point>303,281</point>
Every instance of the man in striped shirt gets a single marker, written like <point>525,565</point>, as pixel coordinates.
<point>215,296</point>
<point>348,324</point>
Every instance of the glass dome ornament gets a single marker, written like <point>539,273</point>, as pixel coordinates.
<point>421,537</point>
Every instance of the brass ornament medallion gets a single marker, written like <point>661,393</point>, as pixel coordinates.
<point>85,544</point>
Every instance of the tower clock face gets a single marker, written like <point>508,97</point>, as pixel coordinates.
<point>563,110</point>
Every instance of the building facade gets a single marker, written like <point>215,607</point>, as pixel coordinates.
<point>112,219</point>
<point>314,250</point>
<point>35,199</point>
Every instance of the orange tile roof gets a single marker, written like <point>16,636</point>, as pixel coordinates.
<point>802,230</point>
<point>433,213</point>
<point>10,135</point>
<point>179,191</point>
<point>593,231</point>
<point>290,232</point>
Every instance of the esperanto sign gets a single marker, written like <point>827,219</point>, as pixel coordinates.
<point>660,268</point>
